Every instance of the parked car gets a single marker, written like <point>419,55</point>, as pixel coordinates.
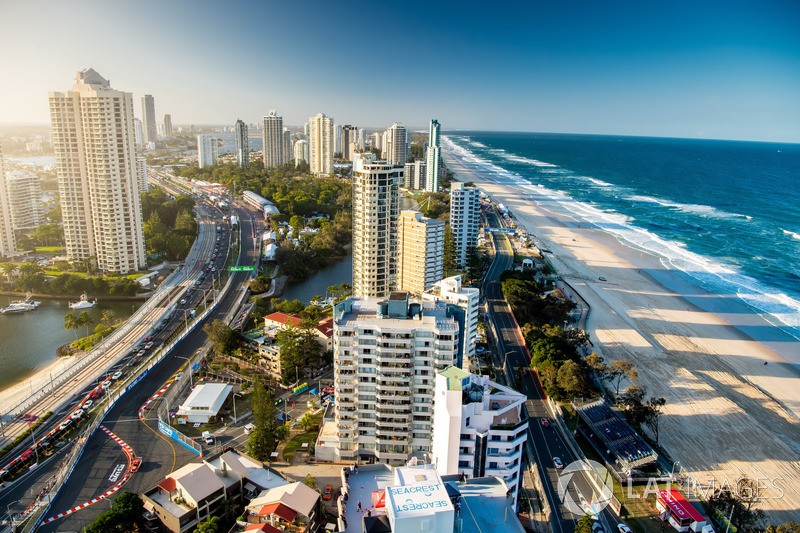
<point>327,494</point>
<point>148,345</point>
<point>178,376</point>
<point>183,301</point>
<point>208,438</point>
<point>116,375</point>
<point>148,339</point>
<point>140,353</point>
<point>26,454</point>
<point>249,428</point>
<point>87,405</point>
<point>77,414</point>
<point>97,393</point>
<point>105,385</point>
<point>65,425</point>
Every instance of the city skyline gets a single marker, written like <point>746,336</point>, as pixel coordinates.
<point>726,71</point>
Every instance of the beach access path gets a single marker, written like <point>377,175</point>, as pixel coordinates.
<point>728,414</point>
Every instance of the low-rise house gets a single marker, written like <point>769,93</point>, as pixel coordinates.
<point>294,507</point>
<point>197,491</point>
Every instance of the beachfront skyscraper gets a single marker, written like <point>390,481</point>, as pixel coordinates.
<point>242,145</point>
<point>464,218</point>
<point>420,243</point>
<point>385,356</point>
<point>272,137</point>
<point>207,150</point>
<point>375,212</point>
<point>287,146</point>
<point>395,144</point>
<point>93,138</point>
<point>168,126</point>
<point>8,243</point>
<point>149,120</point>
<point>320,144</point>
<point>434,158</point>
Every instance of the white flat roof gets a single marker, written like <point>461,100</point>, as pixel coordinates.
<point>206,399</point>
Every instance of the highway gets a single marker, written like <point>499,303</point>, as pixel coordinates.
<point>95,471</point>
<point>544,443</point>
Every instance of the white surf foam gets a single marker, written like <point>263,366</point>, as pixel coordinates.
<point>709,273</point>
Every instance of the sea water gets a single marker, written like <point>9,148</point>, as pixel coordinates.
<point>724,215</point>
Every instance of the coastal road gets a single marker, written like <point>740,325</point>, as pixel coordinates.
<point>543,443</point>
<point>160,454</point>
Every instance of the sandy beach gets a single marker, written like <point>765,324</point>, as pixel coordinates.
<point>728,414</point>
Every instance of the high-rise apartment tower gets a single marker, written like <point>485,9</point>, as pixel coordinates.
<point>93,138</point>
<point>434,161</point>
<point>149,119</point>
<point>320,144</point>
<point>272,136</point>
<point>375,212</point>
<point>242,145</point>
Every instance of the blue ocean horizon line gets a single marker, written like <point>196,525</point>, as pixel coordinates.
<point>607,135</point>
<point>692,208</point>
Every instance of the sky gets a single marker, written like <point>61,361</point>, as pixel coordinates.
<point>706,69</point>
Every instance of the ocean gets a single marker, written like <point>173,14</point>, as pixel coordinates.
<point>723,215</point>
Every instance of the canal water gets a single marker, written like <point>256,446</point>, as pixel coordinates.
<point>317,284</point>
<point>28,341</point>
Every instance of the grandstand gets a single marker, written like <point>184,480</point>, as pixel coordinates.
<point>259,202</point>
<point>628,447</point>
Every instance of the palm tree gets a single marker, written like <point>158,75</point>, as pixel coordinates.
<point>84,320</point>
<point>9,269</point>
<point>70,322</point>
<point>211,525</point>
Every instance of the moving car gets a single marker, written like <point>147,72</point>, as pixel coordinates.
<point>557,462</point>
<point>208,438</point>
<point>136,463</point>
<point>148,345</point>
<point>327,494</point>
<point>545,422</point>
<point>623,528</point>
<point>178,376</point>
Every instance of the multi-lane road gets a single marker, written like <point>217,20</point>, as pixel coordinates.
<point>544,443</point>
<point>103,460</point>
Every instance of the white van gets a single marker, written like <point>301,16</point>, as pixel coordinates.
<point>208,438</point>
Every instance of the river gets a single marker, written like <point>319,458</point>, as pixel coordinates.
<point>318,283</point>
<point>28,341</point>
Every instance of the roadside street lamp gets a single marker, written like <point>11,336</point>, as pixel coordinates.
<point>676,463</point>
<point>235,418</point>
<point>187,359</point>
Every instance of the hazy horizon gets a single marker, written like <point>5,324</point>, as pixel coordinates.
<point>723,70</point>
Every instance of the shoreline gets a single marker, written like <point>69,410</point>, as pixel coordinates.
<point>701,351</point>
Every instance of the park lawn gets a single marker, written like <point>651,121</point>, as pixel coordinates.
<point>51,249</point>
<point>296,443</point>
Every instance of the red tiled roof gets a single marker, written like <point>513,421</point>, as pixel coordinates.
<point>168,484</point>
<point>326,327</point>
<point>266,528</point>
<point>284,318</point>
<point>279,509</point>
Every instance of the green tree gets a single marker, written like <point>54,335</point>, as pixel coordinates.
<point>311,482</point>
<point>597,363</point>
<point>223,338</point>
<point>9,270</point>
<point>125,516</point>
<point>265,416</point>
<point>584,524</point>
<point>619,370</point>
<point>212,524</point>
<point>449,252</point>
<point>84,319</point>
<point>297,222</point>
<point>71,323</point>
<point>572,379</point>
<point>474,264</point>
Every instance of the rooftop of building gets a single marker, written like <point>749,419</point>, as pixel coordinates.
<point>485,506</point>
<point>363,311</point>
<point>206,398</point>
<point>295,496</point>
